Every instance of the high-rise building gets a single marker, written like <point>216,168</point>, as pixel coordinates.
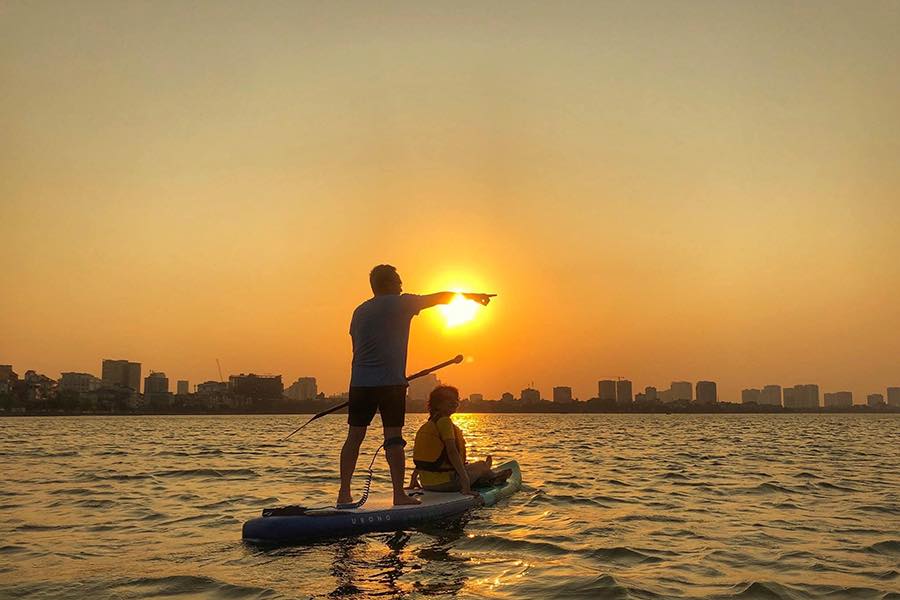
<point>156,383</point>
<point>562,394</point>
<point>420,389</point>
<point>875,400</point>
<point>303,390</point>
<point>707,392</point>
<point>121,373</point>
<point>607,390</point>
<point>530,396</point>
<point>682,391</point>
<point>893,396</point>
<point>507,397</point>
<point>79,382</point>
<point>751,396</point>
<point>8,378</point>
<point>666,396</point>
<point>476,397</point>
<point>807,395</point>
<point>650,394</point>
<point>789,400</point>
<point>838,400</point>
<point>623,392</point>
<point>770,395</point>
<point>6,372</point>
<point>802,396</point>
<point>183,387</point>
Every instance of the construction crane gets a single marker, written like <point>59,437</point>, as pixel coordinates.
<point>219,366</point>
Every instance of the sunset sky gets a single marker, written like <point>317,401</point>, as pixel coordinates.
<point>657,190</point>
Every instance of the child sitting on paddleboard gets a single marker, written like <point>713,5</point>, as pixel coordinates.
<point>440,450</point>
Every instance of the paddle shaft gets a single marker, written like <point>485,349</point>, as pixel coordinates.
<point>455,360</point>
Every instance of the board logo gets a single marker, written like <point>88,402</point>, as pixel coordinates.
<point>370,519</point>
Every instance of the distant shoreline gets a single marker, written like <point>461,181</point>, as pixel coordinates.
<point>862,410</point>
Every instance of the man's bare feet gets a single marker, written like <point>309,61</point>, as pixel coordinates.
<point>404,500</point>
<point>344,497</point>
<point>489,460</point>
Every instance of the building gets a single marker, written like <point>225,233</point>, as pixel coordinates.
<point>751,396</point>
<point>707,393</point>
<point>665,396</point>
<point>8,379</point>
<point>420,389</point>
<point>875,400</point>
<point>507,397</point>
<point>650,394</point>
<point>263,387</point>
<point>770,395</point>
<point>210,388</point>
<point>624,396</point>
<point>838,400</point>
<point>36,388</point>
<point>156,383</point>
<point>562,394</point>
<point>807,395</point>
<point>476,397</point>
<point>802,396</point>
<point>121,373</point>
<point>893,396</point>
<point>682,391</point>
<point>303,390</point>
<point>530,396</point>
<point>183,387</point>
<point>606,389</point>
<point>79,382</point>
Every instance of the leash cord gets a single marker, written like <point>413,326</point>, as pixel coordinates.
<point>366,487</point>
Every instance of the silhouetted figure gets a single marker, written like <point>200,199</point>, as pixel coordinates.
<point>380,333</point>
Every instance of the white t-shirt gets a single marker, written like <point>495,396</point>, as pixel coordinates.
<point>380,333</point>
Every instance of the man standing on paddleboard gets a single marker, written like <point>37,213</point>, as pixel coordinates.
<point>380,333</point>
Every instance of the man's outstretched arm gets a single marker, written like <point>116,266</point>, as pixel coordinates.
<point>429,300</point>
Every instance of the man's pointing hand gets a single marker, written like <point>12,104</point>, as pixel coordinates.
<point>483,299</point>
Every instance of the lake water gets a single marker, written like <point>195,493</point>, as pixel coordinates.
<point>613,506</point>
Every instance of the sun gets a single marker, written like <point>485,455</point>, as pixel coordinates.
<point>459,311</point>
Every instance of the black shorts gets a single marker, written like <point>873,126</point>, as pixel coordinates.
<point>389,400</point>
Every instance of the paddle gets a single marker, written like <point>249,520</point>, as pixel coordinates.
<point>453,361</point>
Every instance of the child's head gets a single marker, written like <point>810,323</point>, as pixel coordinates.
<point>443,400</point>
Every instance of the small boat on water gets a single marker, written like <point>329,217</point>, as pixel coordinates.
<point>295,524</point>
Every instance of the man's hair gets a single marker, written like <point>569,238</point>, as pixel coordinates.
<point>441,393</point>
<point>382,278</point>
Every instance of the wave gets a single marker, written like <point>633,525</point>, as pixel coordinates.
<point>652,518</point>
<point>623,555</point>
<point>889,547</point>
<point>876,508</point>
<point>768,488</point>
<point>833,486</point>
<point>584,586</point>
<point>223,473</point>
<point>758,590</point>
<point>493,543</point>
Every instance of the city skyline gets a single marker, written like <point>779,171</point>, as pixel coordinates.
<point>124,373</point>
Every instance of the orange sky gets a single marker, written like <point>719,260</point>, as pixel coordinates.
<point>658,190</point>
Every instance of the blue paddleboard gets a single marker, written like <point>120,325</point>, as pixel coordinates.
<point>378,514</point>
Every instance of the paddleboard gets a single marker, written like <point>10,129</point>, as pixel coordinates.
<point>295,524</point>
